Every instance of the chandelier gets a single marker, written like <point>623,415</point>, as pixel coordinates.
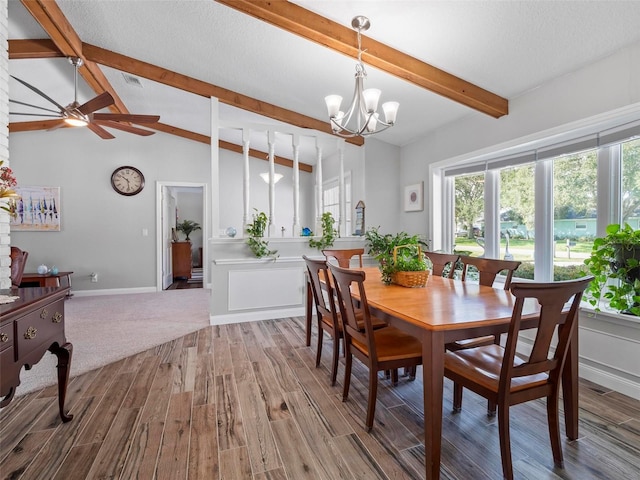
<point>362,118</point>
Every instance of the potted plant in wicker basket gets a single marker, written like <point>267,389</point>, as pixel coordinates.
<point>382,247</point>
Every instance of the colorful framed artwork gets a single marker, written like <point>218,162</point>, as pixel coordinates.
<point>37,209</point>
<point>413,201</point>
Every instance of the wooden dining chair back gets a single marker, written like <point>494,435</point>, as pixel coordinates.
<point>488,269</point>
<point>379,349</point>
<point>439,262</point>
<point>508,378</point>
<point>326,309</point>
<point>18,262</point>
<point>344,256</point>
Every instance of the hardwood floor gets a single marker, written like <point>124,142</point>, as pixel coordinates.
<point>244,401</point>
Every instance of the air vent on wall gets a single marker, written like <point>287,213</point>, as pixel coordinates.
<point>131,80</point>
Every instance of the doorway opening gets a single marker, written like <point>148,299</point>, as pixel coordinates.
<point>181,261</point>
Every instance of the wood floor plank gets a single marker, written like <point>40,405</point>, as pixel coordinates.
<point>14,429</point>
<point>284,375</point>
<point>20,457</point>
<point>203,451</point>
<point>78,463</point>
<point>222,356</point>
<point>358,459</point>
<point>205,391</point>
<point>141,386</point>
<point>229,416</point>
<point>235,465</point>
<point>109,461</point>
<point>299,462</point>
<point>185,373</point>
<point>277,474</point>
<point>263,453</point>
<point>205,341</point>
<point>274,400</point>
<point>174,452</point>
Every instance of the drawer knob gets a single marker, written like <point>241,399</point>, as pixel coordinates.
<point>44,313</point>
<point>4,337</point>
<point>30,333</point>
<point>57,317</point>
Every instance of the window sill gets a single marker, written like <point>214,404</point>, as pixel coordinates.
<point>611,316</point>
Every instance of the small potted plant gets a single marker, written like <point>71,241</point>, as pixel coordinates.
<point>255,240</point>
<point>187,227</point>
<point>328,233</point>
<point>615,264</point>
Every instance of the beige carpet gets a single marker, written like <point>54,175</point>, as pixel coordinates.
<point>104,329</point>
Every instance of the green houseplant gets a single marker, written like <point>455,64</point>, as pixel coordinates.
<point>615,264</point>
<point>329,233</point>
<point>381,246</point>
<point>187,227</point>
<point>255,240</point>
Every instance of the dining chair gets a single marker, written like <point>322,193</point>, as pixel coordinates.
<point>488,269</point>
<point>328,312</point>
<point>508,378</point>
<point>378,349</point>
<point>18,262</point>
<point>344,256</point>
<point>439,262</point>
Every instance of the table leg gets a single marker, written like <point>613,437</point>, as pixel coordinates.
<point>570,387</point>
<point>309,313</point>
<point>64,365</point>
<point>433,379</point>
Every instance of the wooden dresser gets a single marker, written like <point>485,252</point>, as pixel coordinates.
<point>29,326</point>
<point>181,255</point>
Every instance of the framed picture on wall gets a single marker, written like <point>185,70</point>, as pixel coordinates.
<point>413,194</point>
<point>37,209</point>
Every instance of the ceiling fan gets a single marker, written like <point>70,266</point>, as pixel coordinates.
<point>76,115</point>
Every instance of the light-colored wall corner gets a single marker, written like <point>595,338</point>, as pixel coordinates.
<point>5,237</point>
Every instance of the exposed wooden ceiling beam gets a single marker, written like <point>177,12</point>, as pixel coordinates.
<point>55,24</point>
<point>42,48</point>
<point>312,26</point>
<point>199,87</point>
<point>16,127</point>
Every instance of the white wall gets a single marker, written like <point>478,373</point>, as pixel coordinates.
<point>5,239</point>
<point>101,231</point>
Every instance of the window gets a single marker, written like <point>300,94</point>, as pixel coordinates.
<point>331,200</point>
<point>469,211</point>
<point>552,201</point>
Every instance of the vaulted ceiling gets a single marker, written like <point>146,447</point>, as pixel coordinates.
<point>274,61</point>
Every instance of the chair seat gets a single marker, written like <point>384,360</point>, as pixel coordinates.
<point>485,364</point>
<point>393,345</point>
<point>375,322</point>
<point>470,343</point>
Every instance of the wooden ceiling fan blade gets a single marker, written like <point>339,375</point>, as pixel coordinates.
<point>39,92</point>
<point>101,132</point>
<point>124,127</point>
<point>101,101</point>
<point>57,125</point>
<point>34,114</point>
<point>34,106</point>
<point>126,117</point>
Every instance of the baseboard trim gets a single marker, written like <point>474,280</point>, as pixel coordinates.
<point>256,316</point>
<point>113,291</point>
<point>614,382</point>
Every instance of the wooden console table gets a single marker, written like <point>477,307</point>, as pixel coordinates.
<point>60,279</point>
<point>29,326</point>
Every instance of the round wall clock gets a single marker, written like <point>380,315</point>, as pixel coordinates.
<point>127,180</point>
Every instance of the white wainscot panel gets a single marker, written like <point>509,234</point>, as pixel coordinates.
<point>276,287</point>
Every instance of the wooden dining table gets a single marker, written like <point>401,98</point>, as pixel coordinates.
<point>447,310</point>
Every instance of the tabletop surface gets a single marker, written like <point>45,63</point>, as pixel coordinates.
<point>443,304</point>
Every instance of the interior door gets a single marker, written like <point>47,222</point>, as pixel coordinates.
<point>168,223</point>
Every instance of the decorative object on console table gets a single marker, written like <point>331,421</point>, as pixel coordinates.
<point>360,225</point>
<point>29,326</point>
<point>181,259</point>
<point>187,227</point>
<point>413,195</point>
<point>37,209</point>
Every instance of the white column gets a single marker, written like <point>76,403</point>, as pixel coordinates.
<point>491,214</point>
<point>246,187</point>
<point>543,221</point>
<point>342,217</point>
<point>272,185</point>
<point>296,185</point>
<point>318,227</point>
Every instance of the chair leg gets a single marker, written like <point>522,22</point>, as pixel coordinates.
<point>347,376</point>
<point>394,377</point>
<point>319,349</point>
<point>505,441</point>
<point>334,363</point>
<point>554,429</point>
<point>373,392</point>
<point>457,397</point>
<point>491,409</point>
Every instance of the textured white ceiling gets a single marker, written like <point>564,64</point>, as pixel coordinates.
<point>506,47</point>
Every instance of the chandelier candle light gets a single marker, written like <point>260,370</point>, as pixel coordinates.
<point>365,102</point>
